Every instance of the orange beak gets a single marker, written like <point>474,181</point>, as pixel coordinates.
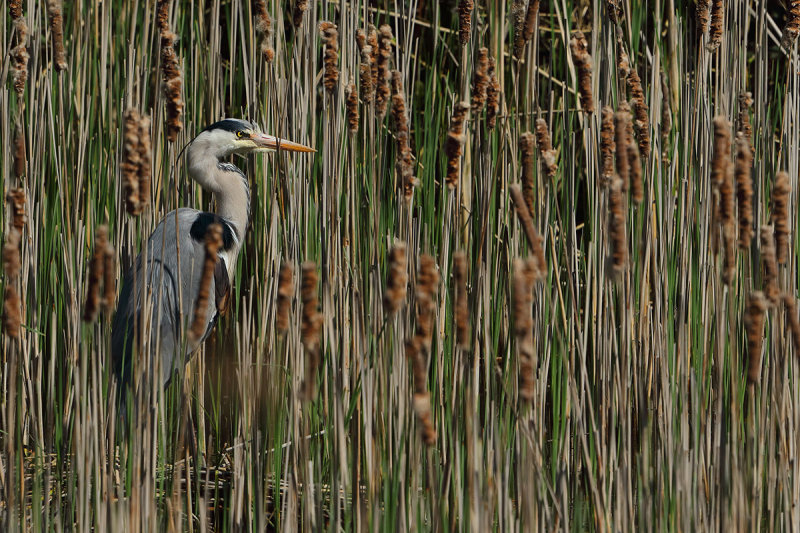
<point>268,142</point>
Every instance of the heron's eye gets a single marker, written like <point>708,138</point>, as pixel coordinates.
<point>239,134</point>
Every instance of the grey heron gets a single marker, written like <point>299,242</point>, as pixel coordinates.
<point>173,260</point>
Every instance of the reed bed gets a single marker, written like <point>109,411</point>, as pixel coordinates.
<point>541,273</point>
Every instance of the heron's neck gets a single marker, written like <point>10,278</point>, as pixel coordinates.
<point>229,186</point>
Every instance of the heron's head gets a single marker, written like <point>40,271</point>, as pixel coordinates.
<point>235,136</point>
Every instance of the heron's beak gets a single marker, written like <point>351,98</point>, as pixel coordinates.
<point>266,142</point>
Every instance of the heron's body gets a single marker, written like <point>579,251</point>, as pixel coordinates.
<point>165,279</point>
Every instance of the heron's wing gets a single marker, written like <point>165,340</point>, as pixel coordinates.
<point>222,287</point>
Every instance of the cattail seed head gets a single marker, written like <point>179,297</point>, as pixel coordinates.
<point>493,92</point>
<point>396,280</point>
<point>404,159</point>
<point>20,160</point>
<point>173,84</point>
<point>526,146</point>
<point>465,8</point>
<point>744,190</point>
<point>162,15</point>
<point>518,20</point>
<point>285,292</point>
<point>614,10</point>
<point>109,277</point>
<point>533,236</point>
<point>529,26</point>
<point>351,95</point>
<point>56,18</point>
<point>583,63</point>
<point>136,161</point>
<point>546,151</point>
<point>16,199</point>
<point>11,255</point>
<point>15,8</point>
<point>792,28</point>
<point>607,146</point>
<point>703,14</point>
<point>754,324</point>
<point>213,242</point>
<point>460,302</point>
<point>384,75</point>
<point>330,38</point>
<point>427,292</point>
<point>790,305</point>
<point>300,8</point>
<point>780,215</point>
<point>770,263</point>
<point>365,75</point>
<point>635,166</point>
<point>523,327</point>
<point>19,66</point>
<point>641,113</point>
<point>310,328</point>
<point>96,274</point>
<point>617,220</point>
<point>743,126</point>
<point>264,27</point>
<point>717,24</point>
<point>454,142</point>
<point>12,312</point>
<point>622,120</point>
<point>480,80</point>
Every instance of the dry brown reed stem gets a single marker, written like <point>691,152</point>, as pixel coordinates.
<point>754,324</point>
<point>527,145</point>
<point>130,160</point>
<point>453,144</point>
<point>213,242</point>
<point>780,215</point>
<point>493,92</point>
<point>16,199</point>
<point>790,304</point>
<point>703,14</point>
<point>744,190</point>
<point>617,211</point>
<point>404,160</point>
<point>622,119</point>
<point>546,151</point>
<point>635,164</point>
<point>173,84</point>
<point>770,263</point>
<point>533,236</point>
<point>792,28</point>
<point>109,277</point>
<point>583,63</point>
<point>284,300</point>
<point>384,75</point>
<point>20,162</point>
<point>56,19</point>
<point>96,274</point>
<point>264,27</point>
<point>523,327</point>
<point>743,123</point>
<point>12,312</point>
<point>330,38</point>
<point>614,10</point>
<point>351,95</point>
<point>465,8</point>
<point>300,8</point>
<point>666,112</point>
<point>717,24</point>
<point>396,280</point>
<point>607,146</point>
<point>640,111</point>
<point>309,331</point>
<point>365,76</point>
<point>529,27</point>
<point>480,80</point>
<point>460,302</point>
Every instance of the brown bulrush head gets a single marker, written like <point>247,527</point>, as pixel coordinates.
<point>727,199</point>
<point>529,27</point>
<point>743,123</point>
<point>300,8</point>
<point>309,331</point>
<point>492,96</point>
<point>480,80</point>
<point>20,161</point>
<point>533,236</point>
<point>460,301</point>
<point>131,161</point>
<point>365,75</point>
<point>404,160</point>
<point>523,327</point>
<point>15,8</point>
<point>518,20</point>
<point>622,119</point>
<point>583,62</point>
<point>19,57</point>
<point>284,301</point>
<point>790,304</point>
<point>422,406</point>
<point>145,162</point>
<point>162,15</point>
<point>607,146</point>
<point>616,224</point>
<point>213,244</point>
<point>792,28</point>
<point>109,277</point>
<point>264,27</point>
<point>717,24</point>
<point>351,95</point>
<point>12,312</point>
<point>754,324</point>
<point>635,165</point>
<point>640,111</point>
<point>372,42</point>
<point>623,62</point>
<point>770,263</point>
<point>427,294</point>
<point>56,18</point>
<point>173,84</point>
<point>720,165</point>
<point>703,14</point>
<point>16,197</point>
<point>396,280</point>
<point>744,190</point>
<point>96,274</point>
<point>330,38</point>
<point>465,8</point>
<point>527,144</point>
<point>384,75</point>
<point>11,255</point>
<point>454,143</point>
<point>780,215</point>
<point>614,10</point>
<point>546,151</point>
